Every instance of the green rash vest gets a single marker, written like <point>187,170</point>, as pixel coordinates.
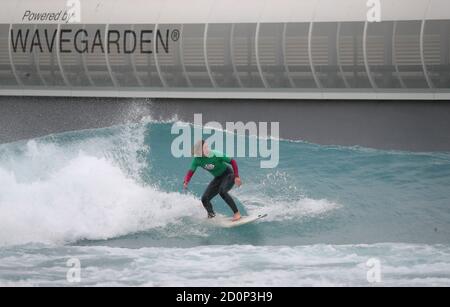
<point>215,163</point>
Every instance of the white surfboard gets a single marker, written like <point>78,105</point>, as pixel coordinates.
<point>226,222</point>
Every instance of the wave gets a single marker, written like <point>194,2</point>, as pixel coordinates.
<point>89,198</point>
<point>113,183</point>
<point>88,185</point>
<point>83,185</point>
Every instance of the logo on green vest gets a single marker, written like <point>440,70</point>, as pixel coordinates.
<point>209,167</point>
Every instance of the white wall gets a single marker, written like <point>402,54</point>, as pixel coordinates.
<point>228,11</point>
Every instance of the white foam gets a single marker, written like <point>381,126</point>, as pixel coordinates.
<point>84,189</point>
<point>288,210</point>
<point>89,198</point>
<point>237,265</point>
<point>288,203</point>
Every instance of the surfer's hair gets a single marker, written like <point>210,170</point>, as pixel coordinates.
<point>197,149</point>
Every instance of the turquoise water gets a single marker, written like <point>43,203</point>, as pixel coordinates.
<point>113,198</point>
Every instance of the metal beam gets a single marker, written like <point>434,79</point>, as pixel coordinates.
<point>394,56</point>
<point>158,69</point>
<point>58,58</point>
<point>181,58</point>
<point>422,55</point>
<point>258,63</point>
<point>133,64</point>
<point>108,65</point>
<point>205,52</point>
<point>283,54</point>
<point>233,60</point>
<point>36,64</point>
<point>338,54</point>
<point>311,63</point>
<point>366,60</point>
<point>85,67</point>
<point>11,60</point>
<point>235,94</point>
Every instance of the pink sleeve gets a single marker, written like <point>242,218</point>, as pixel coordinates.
<point>235,168</point>
<point>188,177</point>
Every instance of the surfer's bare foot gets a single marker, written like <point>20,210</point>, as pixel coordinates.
<point>236,217</point>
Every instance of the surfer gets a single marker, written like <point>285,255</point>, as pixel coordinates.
<point>225,178</point>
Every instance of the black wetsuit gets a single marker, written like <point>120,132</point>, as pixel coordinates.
<point>220,185</point>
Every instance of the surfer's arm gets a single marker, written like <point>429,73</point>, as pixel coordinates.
<point>188,177</point>
<point>237,179</point>
<point>235,168</point>
<point>190,173</point>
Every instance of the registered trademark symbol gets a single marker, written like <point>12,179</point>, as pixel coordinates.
<point>175,35</point>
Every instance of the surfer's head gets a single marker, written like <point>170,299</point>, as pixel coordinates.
<point>200,149</point>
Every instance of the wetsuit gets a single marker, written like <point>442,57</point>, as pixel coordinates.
<point>216,163</point>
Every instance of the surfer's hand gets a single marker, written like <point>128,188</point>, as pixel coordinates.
<point>185,185</point>
<point>237,181</point>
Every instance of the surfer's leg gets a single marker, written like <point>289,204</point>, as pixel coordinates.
<point>225,186</point>
<point>211,191</point>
